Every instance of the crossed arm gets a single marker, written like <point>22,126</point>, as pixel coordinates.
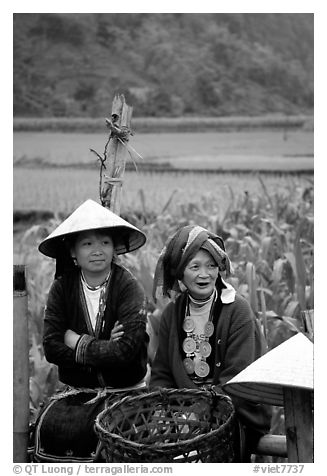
<point>71,337</point>
<point>66,346</point>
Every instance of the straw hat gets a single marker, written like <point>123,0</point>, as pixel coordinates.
<point>91,216</point>
<point>288,365</point>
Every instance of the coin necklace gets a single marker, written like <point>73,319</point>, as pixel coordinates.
<point>200,346</point>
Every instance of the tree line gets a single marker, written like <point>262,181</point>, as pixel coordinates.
<point>181,64</point>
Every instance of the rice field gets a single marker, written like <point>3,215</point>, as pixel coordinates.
<point>61,190</point>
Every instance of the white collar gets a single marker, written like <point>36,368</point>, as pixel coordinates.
<point>227,294</point>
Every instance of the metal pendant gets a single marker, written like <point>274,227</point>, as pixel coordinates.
<point>189,345</point>
<point>189,365</point>
<point>205,349</point>
<point>201,369</point>
<point>208,329</point>
<point>188,325</point>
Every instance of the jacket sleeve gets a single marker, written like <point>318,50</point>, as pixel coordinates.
<point>55,326</point>
<point>161,375</point>
<point>132,314</point>
<point>240,348</point>
<point>244,345</point>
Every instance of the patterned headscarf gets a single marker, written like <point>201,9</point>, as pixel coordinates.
<point>180,249</point>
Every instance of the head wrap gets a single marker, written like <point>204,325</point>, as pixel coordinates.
<point>180,249</point>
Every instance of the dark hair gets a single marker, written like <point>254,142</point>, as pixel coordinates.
<point>64,261</point>
<point>70,239</point>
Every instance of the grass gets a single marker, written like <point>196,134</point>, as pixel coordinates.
<point>61,190</point>
<point>166,124</point>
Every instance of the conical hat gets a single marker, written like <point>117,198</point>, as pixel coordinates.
<point>91,216</point>
<point>290,364</point>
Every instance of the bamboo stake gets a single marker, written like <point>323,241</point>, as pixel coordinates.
<point>116,153</point>
<point>273,445</point>
<point>20,367</point>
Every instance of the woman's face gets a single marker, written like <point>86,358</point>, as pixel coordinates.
<point>200,275</point>
<point>94,251</point>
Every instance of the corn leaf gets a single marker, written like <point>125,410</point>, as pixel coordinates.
<point>300,267</point>
<point>292,309</point>
<point>251,281</point>
<point>264,312</point>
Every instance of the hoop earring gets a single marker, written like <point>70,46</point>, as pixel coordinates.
<point>182,286</point>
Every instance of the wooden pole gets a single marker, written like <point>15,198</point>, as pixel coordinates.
<point>298,424</point>
<point>273,445</point>
<point>117,153</point>
<point>308,323</point>
<point>20,367</point>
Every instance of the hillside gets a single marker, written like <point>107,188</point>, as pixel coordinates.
<point>71,65</point>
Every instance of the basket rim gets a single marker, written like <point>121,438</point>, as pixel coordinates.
<point>159,446</point>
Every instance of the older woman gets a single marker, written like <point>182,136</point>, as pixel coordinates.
<point>94,328</point>
<point>208,333</point>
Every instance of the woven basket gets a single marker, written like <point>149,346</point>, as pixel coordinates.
<point>168,425</point>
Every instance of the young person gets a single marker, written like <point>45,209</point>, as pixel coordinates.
<point>94,328</point>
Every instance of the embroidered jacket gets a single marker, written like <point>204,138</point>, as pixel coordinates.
<point>96,362</point>
<point>236,343</point>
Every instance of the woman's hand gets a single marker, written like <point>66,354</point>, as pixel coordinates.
<point>117,332</point>
<point>71,338</point>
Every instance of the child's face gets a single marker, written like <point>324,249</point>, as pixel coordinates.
<point>93,251</point>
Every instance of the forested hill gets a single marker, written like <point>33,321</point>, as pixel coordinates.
<point>178,64</point>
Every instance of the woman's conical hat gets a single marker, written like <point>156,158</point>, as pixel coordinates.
<point>290,364</point>
<point>91,216</point>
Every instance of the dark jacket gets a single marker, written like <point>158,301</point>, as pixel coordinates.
<point>96,362</point>
<point>236,343</point>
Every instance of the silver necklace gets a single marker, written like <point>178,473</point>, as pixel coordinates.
<point>94,288</point>
<point>198,345</point>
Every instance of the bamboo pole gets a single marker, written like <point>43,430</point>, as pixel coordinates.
<point>272,445</point>
<point>117,152</point>
<point>20,367</point>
